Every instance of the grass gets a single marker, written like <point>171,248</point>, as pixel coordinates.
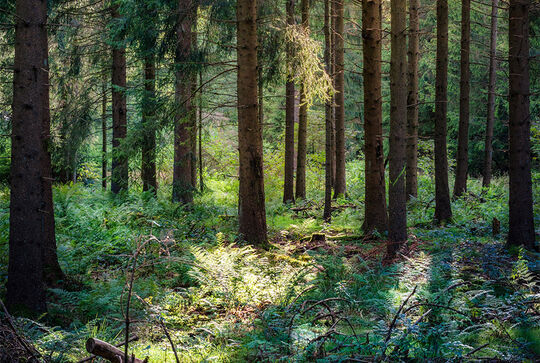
<point>302,300</point>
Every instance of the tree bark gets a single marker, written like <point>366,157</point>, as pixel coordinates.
<point>375,216</point>
<point>488,148</point>
<point>340,187</point>
<point>333,76</point>
<point>119,165</point>
<point>31,206</point>
<point>460,183</point>
<point>148,168</point>
<point>193,114</point>
<point>411,184</point>
<point>397,197</point>
<point>329,155</point>
<point>443,210</point>
<point>252,210</point>
<point>521,228</point>
<point>182,188</point>
<point>302,122</point>
<point>104,132</point>
<point>288,184</point>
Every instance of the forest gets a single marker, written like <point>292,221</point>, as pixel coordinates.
<point>269,181</point>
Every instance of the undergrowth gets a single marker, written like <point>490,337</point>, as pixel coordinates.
<point>455,292</point>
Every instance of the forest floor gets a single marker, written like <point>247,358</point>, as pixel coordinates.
<point>453,292</point>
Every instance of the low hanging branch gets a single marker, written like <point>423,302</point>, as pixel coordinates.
<point>306,67</point>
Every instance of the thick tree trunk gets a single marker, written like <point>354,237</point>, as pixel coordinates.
<point>340,187</point>
<point>443,210</point>
<point>329,155</point>
<point>488,149</point>
<point>288,185</point>
<point>397,197</point>
<point>521,228</point>
<point>302,122</point>
<point>182,188</point>
<point>375,196</point>
<point>148,168</point>
<point>119,165</point>
<point>333,76</point>
<point>460,183</point>
<point>252,211</point>
<point>104,132</point>
<point>31,198</point>
<point>412,101</point>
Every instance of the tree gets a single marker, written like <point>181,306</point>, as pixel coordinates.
<point>329,129</point>
<point>104,131</point>
<point>375,216</point>
<point>119,165</point>
<point>521,228</point>
<point>182,188</point>
<point>148,49</point>
<point>340,186</point>
<point>302,122</point>
<point>32,243</point>
<point>443,210</point>
<point>488,149</point>
<point>411,184</point>
<point>252,210</point>
<point>460,184</point>
<point>148,160</point>
<point>288,185</point>
<point>397,197</point>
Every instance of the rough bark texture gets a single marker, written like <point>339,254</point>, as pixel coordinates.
<point>200,119</point>
<point>442,191</point>
<point>252,211</point>
<point>302,123</point>
<point>31,205</point>
<point>104,133</point>
<point>288,185</point>
<point>397,198</point>
<point>193,114</point>
<point>329,155</point>
<point>488,148</point>
<point>521,228</point>
<point>460,183</point>
<point>333,76</point>
<point>148,167</point>
<point>375,204</point>
<point>340,187</point>
<point>119,165</point>
<point>182,188</point>
<point>411,184</point>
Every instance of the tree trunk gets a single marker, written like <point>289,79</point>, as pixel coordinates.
<point>460,183</point>
<point>182,188</point>
<point>31,206</point>
<point>288,185</point>
<point>397,197</point>
<point>488,149</point>
<point>148,169</point>
<point>329,155</point>
<point>521,228</point>
<point>200,159</point>
<point>412,101</point>
<point>193,114</point>
<point>302,122</point>
<point>333,76</point>
<point>119,165</point>
<point>375,195</point>
<point>104,132</point>
<point>443,210</point>
<point>252,211</point>
<point>340,187</point>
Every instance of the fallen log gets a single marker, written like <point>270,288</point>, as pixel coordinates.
<point>88,359</point>
<point>108,351</point>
